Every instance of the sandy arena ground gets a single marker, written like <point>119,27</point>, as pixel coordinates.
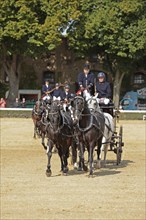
<point>115,192</point>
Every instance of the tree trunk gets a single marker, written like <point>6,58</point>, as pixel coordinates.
<point>117,87</point>
<point>12,68</point>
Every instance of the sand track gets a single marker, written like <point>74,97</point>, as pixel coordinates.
<point>113,193</point>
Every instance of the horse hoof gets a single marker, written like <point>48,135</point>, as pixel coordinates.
<point>48,173</point>
<point>75,166</point>
<point>65,170</point>
<point>90,175</point>
<point>85,168</point>
<point>64,174</point>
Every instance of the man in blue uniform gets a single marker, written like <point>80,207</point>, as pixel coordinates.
<point>103,87</point>
<point>86,79</point>
<point>66,97</point>
<point>66,94</point>
<point>57,93</point>
<point>46,90</point>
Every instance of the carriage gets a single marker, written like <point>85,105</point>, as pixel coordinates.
<point>116,143</point>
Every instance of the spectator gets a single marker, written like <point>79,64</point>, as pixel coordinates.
<point>2,103</point>
<point>23,103</point>
<point>17,103</point>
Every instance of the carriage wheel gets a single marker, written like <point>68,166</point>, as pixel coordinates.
<point>120,144</point>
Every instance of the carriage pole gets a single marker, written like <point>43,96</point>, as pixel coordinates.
<point>95,86</point>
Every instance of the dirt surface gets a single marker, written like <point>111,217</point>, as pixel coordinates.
<point>115,192</point>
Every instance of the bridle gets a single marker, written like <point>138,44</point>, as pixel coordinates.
<point>78,111</point>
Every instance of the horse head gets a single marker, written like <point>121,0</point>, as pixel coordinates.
<point>38,108</point>
<point>78,106</point>
<point>93,103</point>
<point>54,115</point>
<point>86,94</point>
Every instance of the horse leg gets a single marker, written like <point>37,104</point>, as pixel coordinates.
<point>74,154</point>
<point>49,154</point>
<point>35,131</point>
<point>105,153</point>
<point>61,158</point>
<point>43,142</point>
<point>103,148</point>
<point>81,158</point>
<point>91,158</point>
<point>65,158</point>
<point>99,148</point>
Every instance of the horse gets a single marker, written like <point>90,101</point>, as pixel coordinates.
<point>89,128</point>
<point>39,114</point>
<point>59,133</point>
<point>36,117</point>
<point>93,105</point>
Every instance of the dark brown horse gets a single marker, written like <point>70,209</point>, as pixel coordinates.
<point>39,120</point>
<point>59,133</point>
<point>36,117</point>
<point>89,129</point>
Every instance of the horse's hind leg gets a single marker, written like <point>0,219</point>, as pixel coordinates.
<point>43,142</point>
<point>105,153</point>
<point>49,154</point>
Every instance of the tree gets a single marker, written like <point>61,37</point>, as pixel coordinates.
<point>116,29</point>
<point>31,28</point>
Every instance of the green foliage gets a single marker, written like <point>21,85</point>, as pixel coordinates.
<point>32,26</point>
<point>117,27</point>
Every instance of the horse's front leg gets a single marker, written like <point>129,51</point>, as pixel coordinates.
<point>61,157</point>
<point>92,145</point>
<point>99,149</point>
<point>81,158</point>
<point>35,131</point>
<point>49,154</point>
<point>74,154</point>
<point>65,159</point>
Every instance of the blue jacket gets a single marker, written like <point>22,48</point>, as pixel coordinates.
<point>86,81</point>
<point>46,89</point>
<point>67,96</point>
<point>57,93</point>
<point>104,90</point>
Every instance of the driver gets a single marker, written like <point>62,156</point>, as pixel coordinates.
<point>103,88</point>
<point>86,79</point>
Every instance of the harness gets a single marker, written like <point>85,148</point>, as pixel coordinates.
<point>65,121</point>
<point>93,115</point>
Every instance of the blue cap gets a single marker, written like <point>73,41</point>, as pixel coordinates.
<point>86,66</point>
<point>67,86</point>
<point>101,75</point>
